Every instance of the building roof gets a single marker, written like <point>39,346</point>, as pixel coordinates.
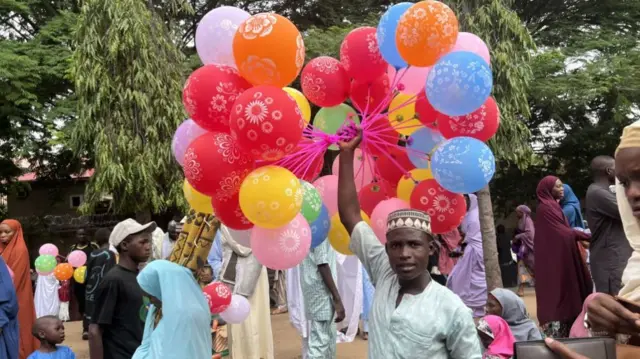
<point>31,176</point>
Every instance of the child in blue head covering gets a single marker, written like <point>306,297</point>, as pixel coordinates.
<point>184,331</point>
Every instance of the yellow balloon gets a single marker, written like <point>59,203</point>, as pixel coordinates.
<point>403,118</point>
<point>338,235</point>
<point>302,102</point>
<point>79,274</point>
<point>271,196</point>
<point>406,185</point>
<point>198,201</point>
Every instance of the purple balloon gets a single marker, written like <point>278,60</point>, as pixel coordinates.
<point>215,33</point>
<point>185,134</point>
<point>238,310</point>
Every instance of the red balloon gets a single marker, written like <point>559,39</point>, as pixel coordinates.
<point>428,115</point>
<point>325,82</point>
<point>374,193</point>
<point>215,165</point>
<point>393,165</point>
<point>229,213</point>
<point>481,123</point>
<point>370,96</point>
<point>209,94</point>
<point>360,55</point>
<point>379,136</point>
<point>267,122</point>
<point>446,209</point>
<point>218,296</point>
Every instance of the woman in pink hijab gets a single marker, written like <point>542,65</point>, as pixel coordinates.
<point>496,337</point>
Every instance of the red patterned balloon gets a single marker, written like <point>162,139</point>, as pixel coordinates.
<point>209,94</point>
<point>215,165</point>
<point>380,136</point>
<point>370,95</point>
<point>267,122</point>
<point>394,165</point>
<point>481,123</point>
<point>229,213</point>
<point>300,163</point>
<point>374,193</point>
<point>325,82</point>
<point>447,209</point>
<point>218,296</point>
<point>360,55</point>
<point>428,115</point>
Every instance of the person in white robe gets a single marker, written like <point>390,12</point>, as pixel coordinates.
<point>241,271</point>
<point>46,299</point>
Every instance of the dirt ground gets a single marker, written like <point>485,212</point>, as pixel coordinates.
<point>286,340</point>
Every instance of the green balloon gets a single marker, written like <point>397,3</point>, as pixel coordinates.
<point>330,119</point>
<point>46,263</point>
<point>311,202</point>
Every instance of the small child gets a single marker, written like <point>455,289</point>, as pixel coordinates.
<point>205,275</point>
<point>50,331</point>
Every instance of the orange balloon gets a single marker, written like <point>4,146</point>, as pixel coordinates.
<point>426,32</point>
<point>269,50</point>
<point>63,271</point>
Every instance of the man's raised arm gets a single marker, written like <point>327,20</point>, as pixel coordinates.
<point>348,205</point>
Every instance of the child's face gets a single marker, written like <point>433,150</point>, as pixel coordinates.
<point>52,331</point>
<point>206,275</point>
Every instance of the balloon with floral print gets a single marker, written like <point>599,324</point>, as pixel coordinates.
<point>209,94</point>
<point>463,165</point>
<point>374,193</point>
<point>481,124</point>
<point>267,122</point>
<point>360,55</point>
<point>369,97</point>
<point>215,165</point>
<point>284,247</point>
<point>338,235</point>
<point>269,50</point>
<point>230,214</point>
<point>218,296</point>
<point>311,202</point>
<point>381,213</point>
<point>271,196</point>
<point>325,82</point>
<point>446,209</point>
<point>426,32</point>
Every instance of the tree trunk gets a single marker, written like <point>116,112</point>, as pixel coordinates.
<point>490,250</point>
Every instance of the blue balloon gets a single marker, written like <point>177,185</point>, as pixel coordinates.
<point>459,83</point>
<point>463,165</point>
<point>320,228</point>
<point>386,34</point>
<point>421,143</point>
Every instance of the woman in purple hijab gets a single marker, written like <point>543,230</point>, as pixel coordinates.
<point>467,278</point>
<point>562,278</point>
<point>523,247</point>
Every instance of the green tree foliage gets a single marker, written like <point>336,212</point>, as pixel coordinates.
<point>129,76</point>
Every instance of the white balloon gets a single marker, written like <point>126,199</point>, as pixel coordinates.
<point>238,310</point>
<point>215,33</point>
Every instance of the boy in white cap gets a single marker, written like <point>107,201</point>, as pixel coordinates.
<point>118,321</point>
<point>412,316</point>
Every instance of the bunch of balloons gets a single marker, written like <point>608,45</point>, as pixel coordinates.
<point>47,264</point>
<point>252,150</point>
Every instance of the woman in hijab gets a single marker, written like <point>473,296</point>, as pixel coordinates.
<point>523,247</point>
<point>496,337</point>
<point>571,207</point>
<point>467,278</point>
<point>504,303</point>
<point>178,323</point>
<point>15,254</point>
<point>563,280</point>
<point>8,315</point>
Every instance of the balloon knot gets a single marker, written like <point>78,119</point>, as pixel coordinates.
<point>400,87</point>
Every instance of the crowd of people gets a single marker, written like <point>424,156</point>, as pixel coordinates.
<point>418,293</point>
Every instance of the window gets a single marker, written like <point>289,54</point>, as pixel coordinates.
<point>76,200</point>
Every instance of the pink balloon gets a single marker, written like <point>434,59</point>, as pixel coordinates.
<point>363,167</point>
<point>77,258</point>
<point>380,215</point>
<point>238,310</point>
<point>412,79</point>
<point>284,247</point>
<point>185,134</point>
<point>469,42</point>
<point>48,248</point>
<point>327,186</point>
